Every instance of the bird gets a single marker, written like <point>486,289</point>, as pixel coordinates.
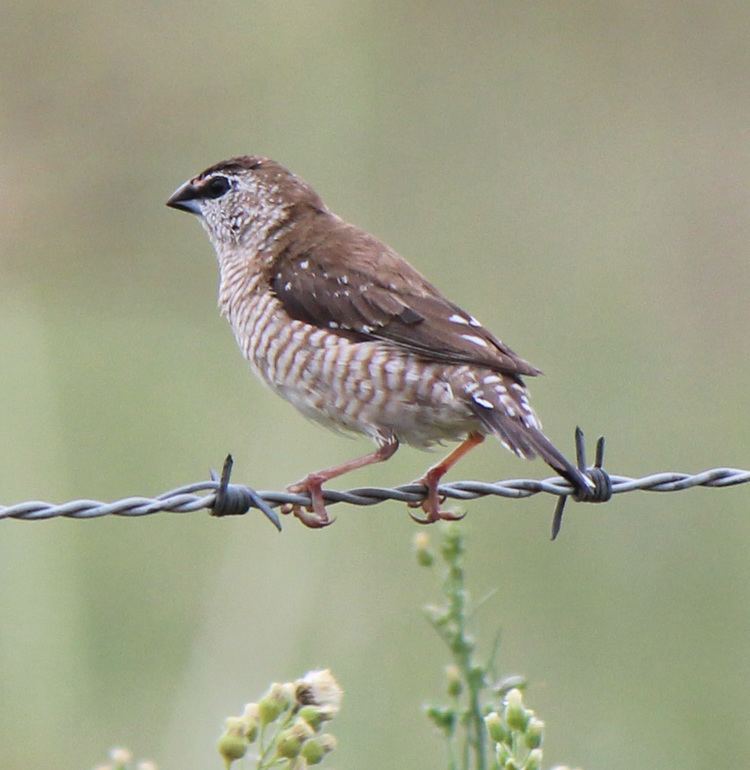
<point>346,330</point>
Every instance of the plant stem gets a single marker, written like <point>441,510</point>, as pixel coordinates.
<point>265,750</point>
<point>462,648</point>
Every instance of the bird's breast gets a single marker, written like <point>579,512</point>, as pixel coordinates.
<point>366,386</point>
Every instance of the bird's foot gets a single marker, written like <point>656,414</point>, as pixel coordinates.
<point>314,515</point>
<point>432,502</point>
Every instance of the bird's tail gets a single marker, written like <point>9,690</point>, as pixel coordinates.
<point>501,404</point>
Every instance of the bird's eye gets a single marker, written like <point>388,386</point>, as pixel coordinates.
<point>216,187</point>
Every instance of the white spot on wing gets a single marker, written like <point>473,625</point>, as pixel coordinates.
<point>304,264</point>
<point>458,319</point>
<point>476,340</point>
<point>483,402</point>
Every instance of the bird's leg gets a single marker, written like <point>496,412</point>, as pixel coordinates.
<point>431,504</point>
<point>315,515</point>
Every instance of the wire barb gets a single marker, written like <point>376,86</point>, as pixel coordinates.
<point>235,499</point>
<point>601,492</point>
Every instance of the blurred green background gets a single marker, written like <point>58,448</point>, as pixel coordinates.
<point>574,173</point>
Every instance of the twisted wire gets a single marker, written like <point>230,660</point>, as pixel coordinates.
<point>207,494</point>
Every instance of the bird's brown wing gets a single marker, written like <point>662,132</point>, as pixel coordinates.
<point>348,281</point>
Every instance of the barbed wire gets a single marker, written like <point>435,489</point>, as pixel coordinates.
<point>223,498</point>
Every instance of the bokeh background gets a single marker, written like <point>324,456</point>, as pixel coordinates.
<point>576,174</point>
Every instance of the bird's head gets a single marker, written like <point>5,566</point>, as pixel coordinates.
<point>242,200</point>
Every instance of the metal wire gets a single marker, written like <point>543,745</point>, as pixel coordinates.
<point>204,494</point>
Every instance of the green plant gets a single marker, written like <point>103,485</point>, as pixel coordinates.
<point>485,723</point>
<point>285,725</point>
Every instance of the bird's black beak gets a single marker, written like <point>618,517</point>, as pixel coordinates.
<point>186,198</point>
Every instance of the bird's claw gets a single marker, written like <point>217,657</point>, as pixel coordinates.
<point>432,517</point>
<point>315,515</point>
<point>431,505</point>
<point>307,515</point>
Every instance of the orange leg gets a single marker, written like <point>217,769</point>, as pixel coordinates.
<point>316,515</point>
<point>431,504</point>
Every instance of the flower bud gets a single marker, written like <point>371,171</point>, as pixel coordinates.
<point>534,760</point>
<point>515,714</point>
<point>120,757</point>
<point>312,715</point>
<point>251,729</point>
<point>425,555</point>
<point>437,615</point>
<point>274,702</point>
<point>312,752</point>
<point>302,729</point>
<point>235,726</point>
<point>477,673</point>
<point>495,727</point>
<point>288,745</point>
<point>249,721</point>
<point>534,733</point>
<point>268,711</point>
<point>315,749</point>
<point>291,740</point>
<point>453,544</point>
<point>232,747</point>
<point>455,684</point>
<point>328,742</point>
<point>443,718</point>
